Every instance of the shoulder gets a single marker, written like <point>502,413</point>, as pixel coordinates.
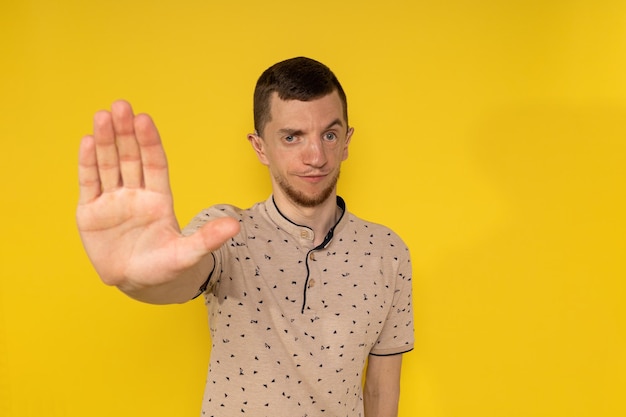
<point>217,211</point>
<point>375,233</point>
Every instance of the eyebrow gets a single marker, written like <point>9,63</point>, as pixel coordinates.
<point>336,122</point>
<point>297,132</point>
<point>290,132</point>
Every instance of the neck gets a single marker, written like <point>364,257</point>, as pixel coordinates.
<point>319,218</point>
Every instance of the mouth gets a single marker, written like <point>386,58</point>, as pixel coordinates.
<point>313,178</point>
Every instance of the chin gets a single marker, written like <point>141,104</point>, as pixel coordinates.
<point>304,199</point>
<point>309,199</point>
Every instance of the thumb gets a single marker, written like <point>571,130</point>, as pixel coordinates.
<point>211,235</point>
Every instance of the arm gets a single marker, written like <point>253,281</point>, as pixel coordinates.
<point>382,386</point>
<point>125,213</point>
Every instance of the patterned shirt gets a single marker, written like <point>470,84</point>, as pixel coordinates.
<point>292,324</point>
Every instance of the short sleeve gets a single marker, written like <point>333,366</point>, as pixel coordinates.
<point>397,335</point>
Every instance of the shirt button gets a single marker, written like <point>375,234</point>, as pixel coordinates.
<point>311,283</point>
<point>304,234</point>
<point>312,256</point>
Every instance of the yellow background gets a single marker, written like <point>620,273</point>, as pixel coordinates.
<point>491,135</point>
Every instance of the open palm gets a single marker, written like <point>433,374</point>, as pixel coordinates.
<point>125,214</point>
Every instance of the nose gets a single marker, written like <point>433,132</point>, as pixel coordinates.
<point>314,153</point>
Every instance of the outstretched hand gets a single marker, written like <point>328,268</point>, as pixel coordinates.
<point>126,217</point>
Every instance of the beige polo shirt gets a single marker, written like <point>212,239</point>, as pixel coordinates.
<point>292,324</point>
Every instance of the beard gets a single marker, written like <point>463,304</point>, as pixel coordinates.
<point>303,200</point>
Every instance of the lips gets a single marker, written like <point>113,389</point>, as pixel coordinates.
<point>313,178</point>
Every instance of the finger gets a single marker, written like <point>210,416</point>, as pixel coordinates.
<point>106,151</point>
<point>127,146</point>
<point>153,159</point>
<point>88,177</point>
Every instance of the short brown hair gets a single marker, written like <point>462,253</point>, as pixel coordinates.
<point>298,78</point>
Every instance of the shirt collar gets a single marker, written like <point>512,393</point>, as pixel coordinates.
<point>303,234</point>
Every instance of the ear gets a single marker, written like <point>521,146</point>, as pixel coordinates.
<point>345,145</point>
<point>258,144</point>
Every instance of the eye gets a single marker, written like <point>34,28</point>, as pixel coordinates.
<point>290,139</point>
<point>330,136</point>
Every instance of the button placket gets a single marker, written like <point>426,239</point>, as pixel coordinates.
<point>311,294</point>
<point>306,234</point>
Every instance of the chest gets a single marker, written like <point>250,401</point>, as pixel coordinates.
<point>332,295</point>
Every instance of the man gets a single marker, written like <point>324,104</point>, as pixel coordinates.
<point>302,295</point>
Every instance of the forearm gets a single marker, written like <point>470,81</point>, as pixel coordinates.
<point>381,402</point>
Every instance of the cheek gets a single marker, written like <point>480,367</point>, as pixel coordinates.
<point>344,154</point>
<point>280,162</point>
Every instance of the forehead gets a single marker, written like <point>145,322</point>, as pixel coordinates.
<point>320,110</point>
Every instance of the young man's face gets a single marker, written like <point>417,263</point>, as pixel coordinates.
<point>303,145</point>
